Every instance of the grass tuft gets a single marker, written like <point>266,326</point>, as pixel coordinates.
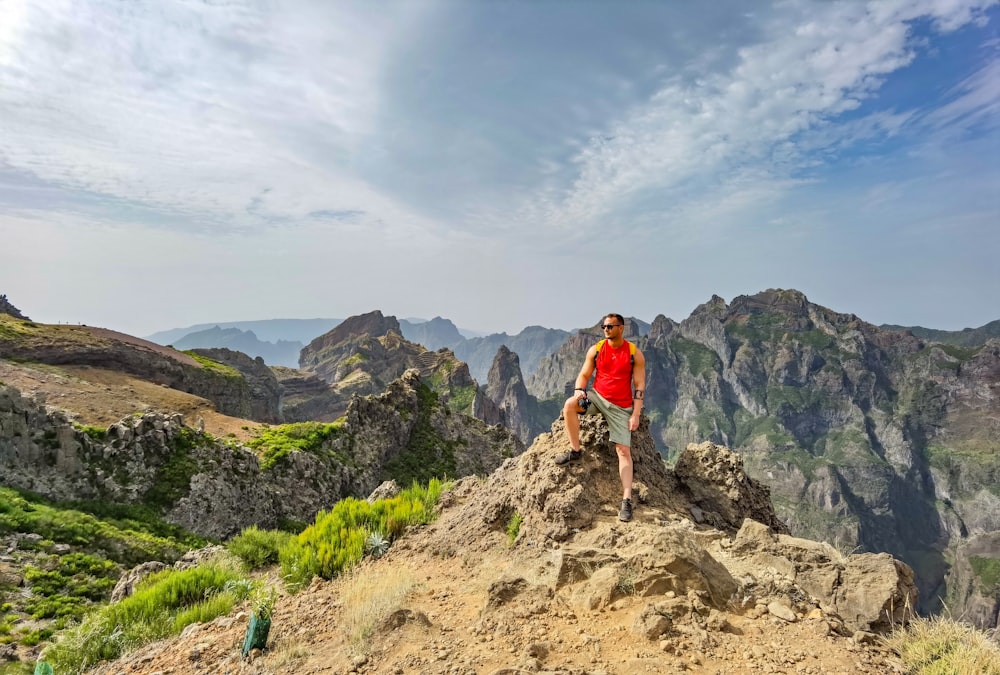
<point>942,646</point>
<point>370,597</point>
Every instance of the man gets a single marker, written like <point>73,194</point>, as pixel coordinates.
<point>618,395</point>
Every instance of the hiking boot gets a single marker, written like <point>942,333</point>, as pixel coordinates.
<point>625,512</point>
<point>570,455</point>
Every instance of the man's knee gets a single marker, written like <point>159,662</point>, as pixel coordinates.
<point>623,450</point>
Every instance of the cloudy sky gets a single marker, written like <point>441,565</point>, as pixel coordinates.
<point>171,162</point>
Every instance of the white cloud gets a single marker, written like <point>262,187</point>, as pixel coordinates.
<point>764,116</point>
<point>238,113</point>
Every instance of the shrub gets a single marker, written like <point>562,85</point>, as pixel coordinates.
<point>336,541</point>
<point>376,545</point>
<point>163,604</point>
<point>256,547</point>
<point>514,527</point>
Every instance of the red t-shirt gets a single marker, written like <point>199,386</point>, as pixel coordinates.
<point>614,374</point>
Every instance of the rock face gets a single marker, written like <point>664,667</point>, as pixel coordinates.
<point>363,354</point>
<point>519,410</point>
<point>675,565</point>
<point>869,439</point>
<point>264,392</point>
<point>214,489</point>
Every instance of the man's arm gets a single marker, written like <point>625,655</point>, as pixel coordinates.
<point>583,377</point>
<point>638,389</point>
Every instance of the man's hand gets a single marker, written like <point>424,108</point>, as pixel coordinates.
<point>633,421</point>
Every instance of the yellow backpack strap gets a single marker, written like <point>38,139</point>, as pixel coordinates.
<point>600,344</point>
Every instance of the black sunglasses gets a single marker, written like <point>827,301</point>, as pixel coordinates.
<point>609,326</point>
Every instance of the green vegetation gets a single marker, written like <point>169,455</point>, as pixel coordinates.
<point>163,604</point>
<point>62,585</point>
<point>960,353</point>
<point>356,359</point>
<point>799,399</point>
<point>96,433</point>
<point>757,328</point>
<point>214,366</point>
<point>712,421</point>
<point>988,571</point>
<point>273,443</point>
<point>427,454</point>
<point>461,399</point>
<point>174,476</point>
<point>941,646</point>
<point>749,427</point>
<point>336,541</point>
<point>256,547</point>
<point>701,361</point>
<point>514,527</point>
<point>128,543</point>
<point>14,329</point>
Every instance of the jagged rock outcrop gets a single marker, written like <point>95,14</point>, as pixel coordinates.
<point>505,387</point>
<point>215,489</point>
<point>6,307</point>
<point>531,345</point>
<point>721,492</point>
<point>363,354</point>
<point>306,397</point>
<point>587,560</point>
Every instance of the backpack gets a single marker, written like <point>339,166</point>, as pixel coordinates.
<point>631,351</point>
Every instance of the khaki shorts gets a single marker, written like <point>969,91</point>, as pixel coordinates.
<point>616,416</point>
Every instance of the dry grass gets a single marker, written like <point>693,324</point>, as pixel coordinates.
<point>370,595</point>
<point>286,653</point>
<point>942,646</point>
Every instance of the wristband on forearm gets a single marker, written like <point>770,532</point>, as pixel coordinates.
<point>639,394</point>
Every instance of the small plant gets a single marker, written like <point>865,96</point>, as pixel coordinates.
<point>376,545</point>
<point>262,601</point>
<point>514,527</point>
<point>626,582</point>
